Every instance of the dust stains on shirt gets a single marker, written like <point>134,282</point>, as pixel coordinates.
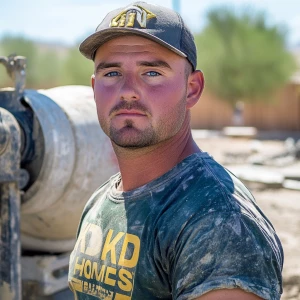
<point>194,229</point>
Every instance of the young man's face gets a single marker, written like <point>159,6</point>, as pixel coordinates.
<point>140,90</point>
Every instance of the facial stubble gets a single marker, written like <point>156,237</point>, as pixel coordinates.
<point>131,137</point>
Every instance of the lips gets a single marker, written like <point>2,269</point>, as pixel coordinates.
<point>125,108</point>
<point>129,112</point>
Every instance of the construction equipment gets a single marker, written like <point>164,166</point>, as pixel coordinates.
<point>53,155</point>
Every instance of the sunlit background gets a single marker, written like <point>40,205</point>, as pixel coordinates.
<point>68,21</point>
<point>257,71</point>
<point>248,117</point>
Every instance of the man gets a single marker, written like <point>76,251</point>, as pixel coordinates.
<point>173,224</point>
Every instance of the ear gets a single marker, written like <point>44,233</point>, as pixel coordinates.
<point>93,81</point>
<point>195,87</point>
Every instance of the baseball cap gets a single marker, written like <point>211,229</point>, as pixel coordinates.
<point>159,24</point>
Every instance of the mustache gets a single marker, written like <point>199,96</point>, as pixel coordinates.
<point>129,105</point>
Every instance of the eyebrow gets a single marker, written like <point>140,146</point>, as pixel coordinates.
<point>155,63</point>
<point>104,65</point>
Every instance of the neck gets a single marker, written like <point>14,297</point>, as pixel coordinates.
<point>140,166</point>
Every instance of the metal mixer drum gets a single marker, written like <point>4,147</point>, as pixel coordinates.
<point>77,158</point>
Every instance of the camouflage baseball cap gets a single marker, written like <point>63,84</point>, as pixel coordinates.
<point>157,23</point>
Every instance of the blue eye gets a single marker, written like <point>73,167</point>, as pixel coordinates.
<point>112,74</point>
<point>153,73</point>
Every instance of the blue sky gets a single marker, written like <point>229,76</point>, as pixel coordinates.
<point>69,21</point>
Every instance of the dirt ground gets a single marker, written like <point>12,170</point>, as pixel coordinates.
<point>281,206</point>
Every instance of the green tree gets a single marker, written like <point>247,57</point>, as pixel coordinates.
<point>76,69</point>
<point>243,57</point>
<point>47,65</point>
<point>50,66</point>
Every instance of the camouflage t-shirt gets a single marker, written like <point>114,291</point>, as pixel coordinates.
<point>192,230</point>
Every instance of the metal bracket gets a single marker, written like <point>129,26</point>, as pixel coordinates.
<point>49,274</point>
<point>15,67</point>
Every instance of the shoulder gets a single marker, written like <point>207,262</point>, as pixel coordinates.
<point>215,235</point>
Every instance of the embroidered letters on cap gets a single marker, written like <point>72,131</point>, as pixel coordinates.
<point>127,17</point>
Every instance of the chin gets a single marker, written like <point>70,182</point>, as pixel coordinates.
<point>132,138</point>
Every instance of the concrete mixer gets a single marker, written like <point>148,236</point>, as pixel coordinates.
<point>53,155</point>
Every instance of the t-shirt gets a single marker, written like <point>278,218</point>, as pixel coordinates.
<point>192,230</point>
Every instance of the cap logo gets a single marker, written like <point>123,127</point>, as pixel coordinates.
<point>132,13</point>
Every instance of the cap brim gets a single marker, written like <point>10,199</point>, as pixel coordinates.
<point>90,45</point>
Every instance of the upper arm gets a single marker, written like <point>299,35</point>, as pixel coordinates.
<point>232,294</point>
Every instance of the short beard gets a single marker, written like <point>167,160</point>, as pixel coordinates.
<point>148,136</point>
<point>142,139</point>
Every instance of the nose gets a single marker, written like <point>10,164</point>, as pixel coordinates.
<point>129,90</point>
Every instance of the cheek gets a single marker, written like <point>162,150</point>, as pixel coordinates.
<point>168,94</point>
<point>104,97</point>
<point>103,118</point>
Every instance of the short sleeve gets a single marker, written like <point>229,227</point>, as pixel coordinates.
<point>223,251</point>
